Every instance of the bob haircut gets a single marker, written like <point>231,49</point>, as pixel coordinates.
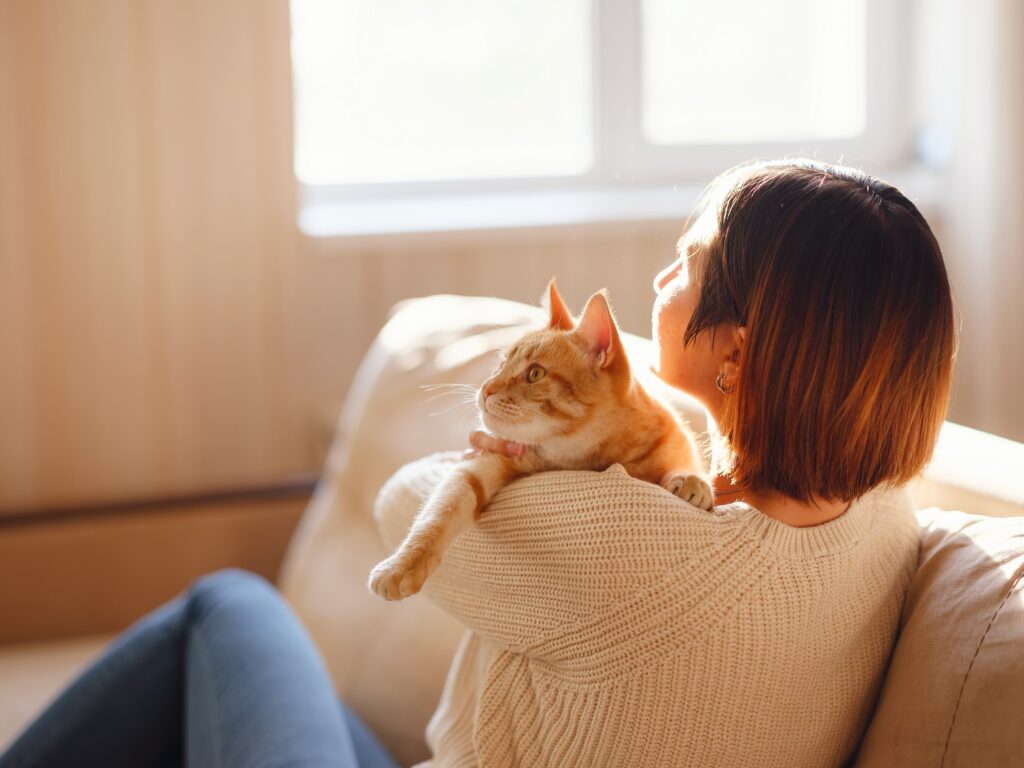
<point>844,379</point>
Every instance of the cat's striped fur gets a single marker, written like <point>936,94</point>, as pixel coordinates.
<point>566,392</point>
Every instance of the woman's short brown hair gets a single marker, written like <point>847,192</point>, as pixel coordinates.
<point>845,375</point>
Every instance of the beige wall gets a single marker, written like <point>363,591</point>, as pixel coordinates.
<point>164,328</point>
<point>146,212</point>
<point>986,193</point>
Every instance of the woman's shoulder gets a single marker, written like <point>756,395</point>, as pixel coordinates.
<point>891,510</point>
<point>574,489</point>
<point>583,511</point>
<point>611,500</point>
<point>882,514</point>
<point>579,494</point>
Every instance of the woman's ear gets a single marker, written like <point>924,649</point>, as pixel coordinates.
<point>739,338</point>
<point>729,369</point>
<point>560,317</point>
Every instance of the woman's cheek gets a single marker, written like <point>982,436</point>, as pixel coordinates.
<point>668,340</point>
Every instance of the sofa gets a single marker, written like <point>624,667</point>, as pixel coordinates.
<point>954,691</point>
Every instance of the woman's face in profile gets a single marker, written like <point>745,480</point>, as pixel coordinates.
<point>691,367</point>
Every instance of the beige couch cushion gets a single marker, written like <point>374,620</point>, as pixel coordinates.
<point>954,692</point>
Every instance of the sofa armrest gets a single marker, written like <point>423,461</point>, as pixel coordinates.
<point>973,471</point>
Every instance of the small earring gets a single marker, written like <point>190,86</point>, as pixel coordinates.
<point>720,383</point>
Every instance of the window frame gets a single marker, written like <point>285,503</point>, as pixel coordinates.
<point>623,158</point>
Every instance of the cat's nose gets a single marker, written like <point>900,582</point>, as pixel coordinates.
<point>487,389</point>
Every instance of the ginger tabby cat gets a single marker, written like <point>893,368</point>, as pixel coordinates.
<point>567,393</point>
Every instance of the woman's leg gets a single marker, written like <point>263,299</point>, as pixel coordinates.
<point>256,691</point>
<point>226,670</point>
<point>370,753</point>
<point>124,709</point>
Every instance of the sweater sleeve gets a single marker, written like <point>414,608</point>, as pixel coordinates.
<point>553,551</point>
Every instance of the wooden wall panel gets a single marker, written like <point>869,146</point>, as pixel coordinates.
<point>147,222</point>
<point>98,573</point>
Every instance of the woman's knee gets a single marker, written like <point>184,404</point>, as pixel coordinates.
<point>226,586</point>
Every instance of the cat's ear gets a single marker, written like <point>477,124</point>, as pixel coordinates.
<point>597,327</point>
<point>561,317</point>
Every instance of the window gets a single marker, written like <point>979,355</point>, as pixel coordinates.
<point>406,90</point>
<point>469,97</point>
<point>793,70</point>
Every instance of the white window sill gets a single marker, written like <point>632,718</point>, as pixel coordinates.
<point>544,208</point>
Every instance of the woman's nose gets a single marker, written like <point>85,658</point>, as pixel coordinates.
<point>666,275</point>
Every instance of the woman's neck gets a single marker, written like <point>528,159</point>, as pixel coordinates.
<point>778,506</point>
<point>771,503</point>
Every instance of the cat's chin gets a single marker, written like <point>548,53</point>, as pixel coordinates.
<point>506,430</point>
<point>495,425</point>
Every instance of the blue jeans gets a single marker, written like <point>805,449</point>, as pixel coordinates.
<point>223,675</point>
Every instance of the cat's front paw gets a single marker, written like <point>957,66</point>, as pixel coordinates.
<point>404,573</point>
<point>691,488</point>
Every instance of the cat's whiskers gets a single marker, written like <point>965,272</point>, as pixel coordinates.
<point>465,398</point>
<point>515,412</point>
<point>466,392</point>
<point>440,390</point>
<point>463,409</point>
<point>448,385</point>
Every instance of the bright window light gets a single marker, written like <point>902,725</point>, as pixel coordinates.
<point>734,71</point>
<point>407,90</point>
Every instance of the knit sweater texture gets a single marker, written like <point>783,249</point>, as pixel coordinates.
<point>611,624</point>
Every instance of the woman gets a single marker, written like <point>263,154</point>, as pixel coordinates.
<point>809,311</point>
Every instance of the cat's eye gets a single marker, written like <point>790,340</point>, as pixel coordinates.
<point>535,373</point>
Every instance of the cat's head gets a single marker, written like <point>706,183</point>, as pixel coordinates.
<point>554,381</point>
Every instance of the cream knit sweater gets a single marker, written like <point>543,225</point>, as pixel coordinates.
<point>611,624</point>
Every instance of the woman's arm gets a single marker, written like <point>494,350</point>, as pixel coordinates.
<point>553,552</point>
